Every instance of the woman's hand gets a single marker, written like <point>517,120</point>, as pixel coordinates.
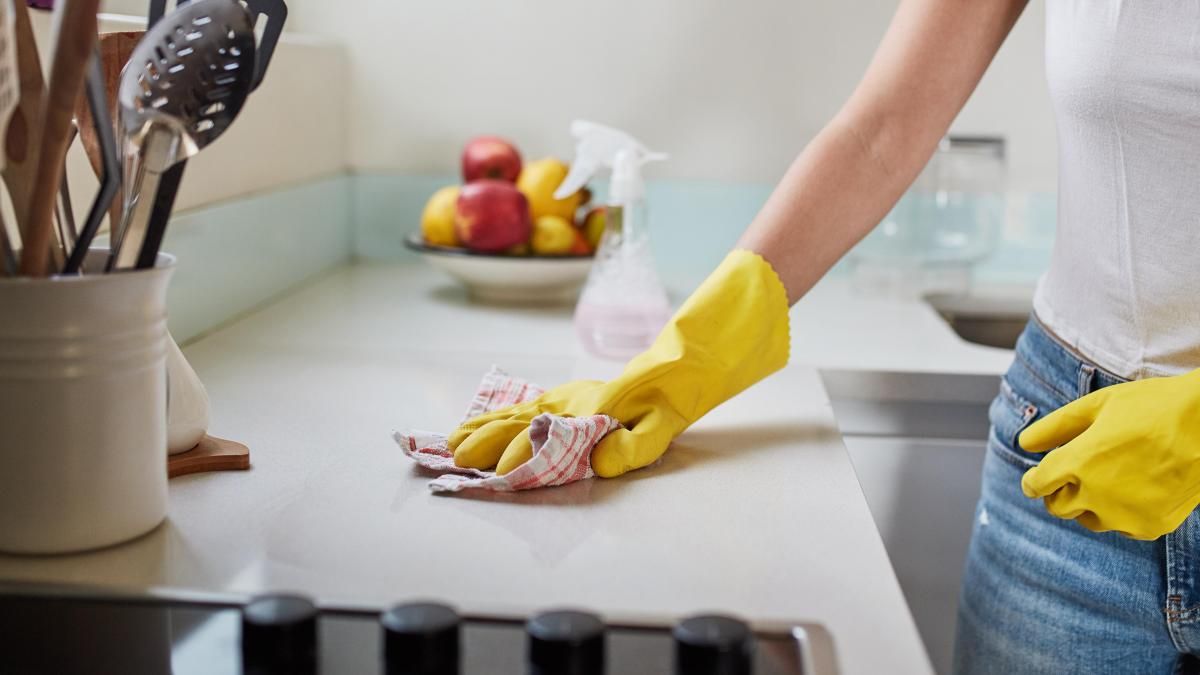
<point>1127,457</point>
<point>731,333</point>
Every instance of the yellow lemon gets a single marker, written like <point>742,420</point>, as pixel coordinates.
<point>539,180</point>
<point>552,236</point>
<point>437,220</point>
<point>593,225</point>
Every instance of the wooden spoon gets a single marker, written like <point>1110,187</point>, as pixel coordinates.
<point>76,38</point>
<point>24,128</point>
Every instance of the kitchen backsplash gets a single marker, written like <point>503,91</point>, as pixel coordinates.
<point>238,254</point>
<point>693,224</point>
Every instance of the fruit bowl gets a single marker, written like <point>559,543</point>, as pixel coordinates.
<point>508,278</point>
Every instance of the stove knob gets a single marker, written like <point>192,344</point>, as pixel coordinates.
<point>566,643</point>
<point>420,639</point>
<point>713,645</point>
<point>279,635</point>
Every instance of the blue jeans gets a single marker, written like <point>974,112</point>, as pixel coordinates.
<point>1044,595</point>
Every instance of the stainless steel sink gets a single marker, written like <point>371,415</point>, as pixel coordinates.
<point>991,319</point>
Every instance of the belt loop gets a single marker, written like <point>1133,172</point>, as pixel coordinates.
<point>1087,379</point>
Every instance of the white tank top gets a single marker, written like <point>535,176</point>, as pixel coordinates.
<point>1123,286</point>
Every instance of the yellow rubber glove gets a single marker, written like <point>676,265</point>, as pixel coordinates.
<point>1129,459</point>
<point>731,333</point>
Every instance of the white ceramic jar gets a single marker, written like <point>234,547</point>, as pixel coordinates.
<point>83,408</point>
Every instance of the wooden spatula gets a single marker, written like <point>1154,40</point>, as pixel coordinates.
<point>10,94</point>
<point>75,21</point>
<point>24,128</point>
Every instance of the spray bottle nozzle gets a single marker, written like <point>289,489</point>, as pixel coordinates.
<point>601,146</point>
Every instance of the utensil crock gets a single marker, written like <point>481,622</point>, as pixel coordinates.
<point>83,408</point>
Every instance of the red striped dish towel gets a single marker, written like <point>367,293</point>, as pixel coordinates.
<point>562,446</point>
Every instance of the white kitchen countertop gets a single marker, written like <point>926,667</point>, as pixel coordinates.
<point>837,327</point>
<point>756,510</point>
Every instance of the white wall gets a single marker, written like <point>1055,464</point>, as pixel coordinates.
<point>290,132</point>
<point>731,90</point>
<point>133,7</point>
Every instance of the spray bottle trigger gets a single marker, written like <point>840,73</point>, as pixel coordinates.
<point>582,170</point>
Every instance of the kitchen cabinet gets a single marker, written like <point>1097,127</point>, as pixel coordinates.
<point>910,398</point>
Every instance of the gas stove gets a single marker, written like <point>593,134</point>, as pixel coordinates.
<point>55,633</point>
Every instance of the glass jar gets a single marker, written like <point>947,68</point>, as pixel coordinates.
<point>949,220</point>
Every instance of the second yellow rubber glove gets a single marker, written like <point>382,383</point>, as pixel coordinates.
<point>1129,459</point>
<point>731,333</point>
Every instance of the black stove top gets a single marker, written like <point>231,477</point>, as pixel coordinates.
<point>54,634</point>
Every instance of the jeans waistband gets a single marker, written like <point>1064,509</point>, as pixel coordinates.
<point>1058,365</point>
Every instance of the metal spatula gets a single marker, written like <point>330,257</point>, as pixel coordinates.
<point>184,84</point>
<point>114,50</point>
<point>110,163</point>
<point>275,12</point>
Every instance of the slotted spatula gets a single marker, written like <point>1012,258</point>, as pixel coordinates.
<point>275,11</point>
<point>184,84</point>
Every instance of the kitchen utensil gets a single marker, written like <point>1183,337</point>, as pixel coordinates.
<point>9,95</point>
<point>275,12</point>
<point>23,130</point>
<point>184,84</point>
<point>508,279</point>
<point>64,213</point>
<point>9,79</point>
<point>157,9</point>
<point>110,166</point>
<point>129,162</point>
<point>75,39</point>
<point>8,257</point>
<point>114,50</point>
<point>83,406</point>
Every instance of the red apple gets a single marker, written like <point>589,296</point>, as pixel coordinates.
<point>492,215</point>
<point>490,157</point>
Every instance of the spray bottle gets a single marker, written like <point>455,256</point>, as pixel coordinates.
<point>623,305</point>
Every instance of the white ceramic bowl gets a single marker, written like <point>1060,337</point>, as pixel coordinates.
<point>505,278</point>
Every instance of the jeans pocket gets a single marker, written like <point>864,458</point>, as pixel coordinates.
<point>1010,414</point>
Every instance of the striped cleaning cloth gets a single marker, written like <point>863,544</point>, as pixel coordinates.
<point>562,446</point>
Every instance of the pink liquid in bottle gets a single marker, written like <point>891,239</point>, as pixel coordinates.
<point>619,331</point>
<point>623,306</point>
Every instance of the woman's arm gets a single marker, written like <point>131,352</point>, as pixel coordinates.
<point>854,171</point>
<point>733,330</point>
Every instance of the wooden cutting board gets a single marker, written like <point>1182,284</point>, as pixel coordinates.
<point>210,454</point>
